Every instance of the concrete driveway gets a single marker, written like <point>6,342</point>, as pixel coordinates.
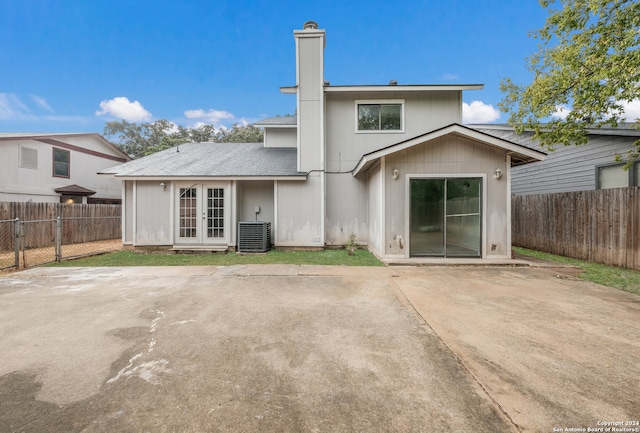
<point>304,348</point>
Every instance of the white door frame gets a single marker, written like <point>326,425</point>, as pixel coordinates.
<point>199,217</point>
<point>407,210</point>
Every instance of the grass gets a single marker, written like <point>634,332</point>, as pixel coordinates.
<point>131,258</point>
<point>619,278</point>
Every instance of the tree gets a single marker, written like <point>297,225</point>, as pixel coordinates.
<point>587,64</point>
<point>240,134</point>
<point>138,140</point>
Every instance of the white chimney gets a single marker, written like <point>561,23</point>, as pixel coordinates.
<point>310,43</point>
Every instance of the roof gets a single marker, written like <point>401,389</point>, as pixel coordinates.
<point>278,121</point>
<point>519,154</point>
<point>626,129</point>
<point>75,190</point>
<point>48,137</point>
<point>392,88</point>
<point>10,135</point>
<point>231,160</point>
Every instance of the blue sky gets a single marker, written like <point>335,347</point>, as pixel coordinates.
<point>72,65</point>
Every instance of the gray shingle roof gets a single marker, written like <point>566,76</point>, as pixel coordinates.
<point>278,121</point>
<point>213,160</point>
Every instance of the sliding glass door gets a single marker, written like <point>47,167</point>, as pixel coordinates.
<point>445,219</point>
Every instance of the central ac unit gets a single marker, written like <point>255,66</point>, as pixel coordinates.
<point>254,237</point>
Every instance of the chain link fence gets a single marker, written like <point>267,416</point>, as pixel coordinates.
<point>25,244</point>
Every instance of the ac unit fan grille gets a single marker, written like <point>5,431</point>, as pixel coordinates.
<point>254,237</point>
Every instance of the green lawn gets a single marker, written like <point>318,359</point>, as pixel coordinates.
<point>130,258</point>
<point>623,279</point>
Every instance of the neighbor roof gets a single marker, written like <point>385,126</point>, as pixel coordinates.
<point>626,129</point>
<point>48,137</point>
<point>230,160</point>
<point>75,190</point>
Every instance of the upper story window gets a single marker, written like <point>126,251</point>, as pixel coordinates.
<point>61,163</point>
<point>386,116</point>
<point>615,176</point>
<point>28,157</point>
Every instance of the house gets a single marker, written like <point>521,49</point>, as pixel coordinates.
<point>58,168</point>
<point>388,164</point>
<point>573,168</point>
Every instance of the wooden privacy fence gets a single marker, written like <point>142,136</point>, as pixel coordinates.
<point>600,226</point>
<point>97,222</point>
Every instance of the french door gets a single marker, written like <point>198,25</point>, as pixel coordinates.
<point>202,214</point>
<point>445,217</point>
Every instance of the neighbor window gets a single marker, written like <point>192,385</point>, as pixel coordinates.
<point>615,176</point>
<point>28,157</point>
<point>61,162</point>
<point>379,116</point>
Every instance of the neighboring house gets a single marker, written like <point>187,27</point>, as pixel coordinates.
<point>573,168</point>
<point>58,168</point>
<point>390,164</point>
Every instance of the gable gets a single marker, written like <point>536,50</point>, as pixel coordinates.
<point>519,154</point>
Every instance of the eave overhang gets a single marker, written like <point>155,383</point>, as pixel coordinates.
<point>391,88</point>
<point>519,154</point>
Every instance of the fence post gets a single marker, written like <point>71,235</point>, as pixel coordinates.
<point>16,243</point>
<point>58,239</point>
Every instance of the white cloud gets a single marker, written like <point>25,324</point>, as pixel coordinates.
<point>562,111</point>
<point>479,112</point>
<point>172,128</point>
<point>631,110</point>
<point>41,102</point>
<point>450,77</point>
<point>122,108</point>
<point>212,116</point>
<point>12,108</point>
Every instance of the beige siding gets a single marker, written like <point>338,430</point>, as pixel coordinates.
<point>280,137</point>
<point>252,194</point>
<point>310,80</point>
<point>375,209</point>
<point>448,156</point>
<point>424,112</point>
<point>127,217</point>
<point>299,212</point>
<point>346,209</point>
<point>153,214</point>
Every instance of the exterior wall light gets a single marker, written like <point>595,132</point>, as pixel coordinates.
<point>497,174</point>
<point>395,173</point>
<point>163,186</point>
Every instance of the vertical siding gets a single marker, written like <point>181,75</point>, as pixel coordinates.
<point>310,58</point>
<point>448,155</point>
<point>299,212</point>
<point>424,112</point>
<point>128,212</point>
<point>375,208</point>
<point>346,211</point>
<point>153,207</point>
<point>252,194</point>
<point>280,137</point>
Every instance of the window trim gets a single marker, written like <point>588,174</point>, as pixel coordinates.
<point>631,179</point>
<point>53,163</point>
<point>400,102</point>
<point>21,161</point>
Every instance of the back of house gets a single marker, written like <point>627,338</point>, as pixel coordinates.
<point>389,165</point>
